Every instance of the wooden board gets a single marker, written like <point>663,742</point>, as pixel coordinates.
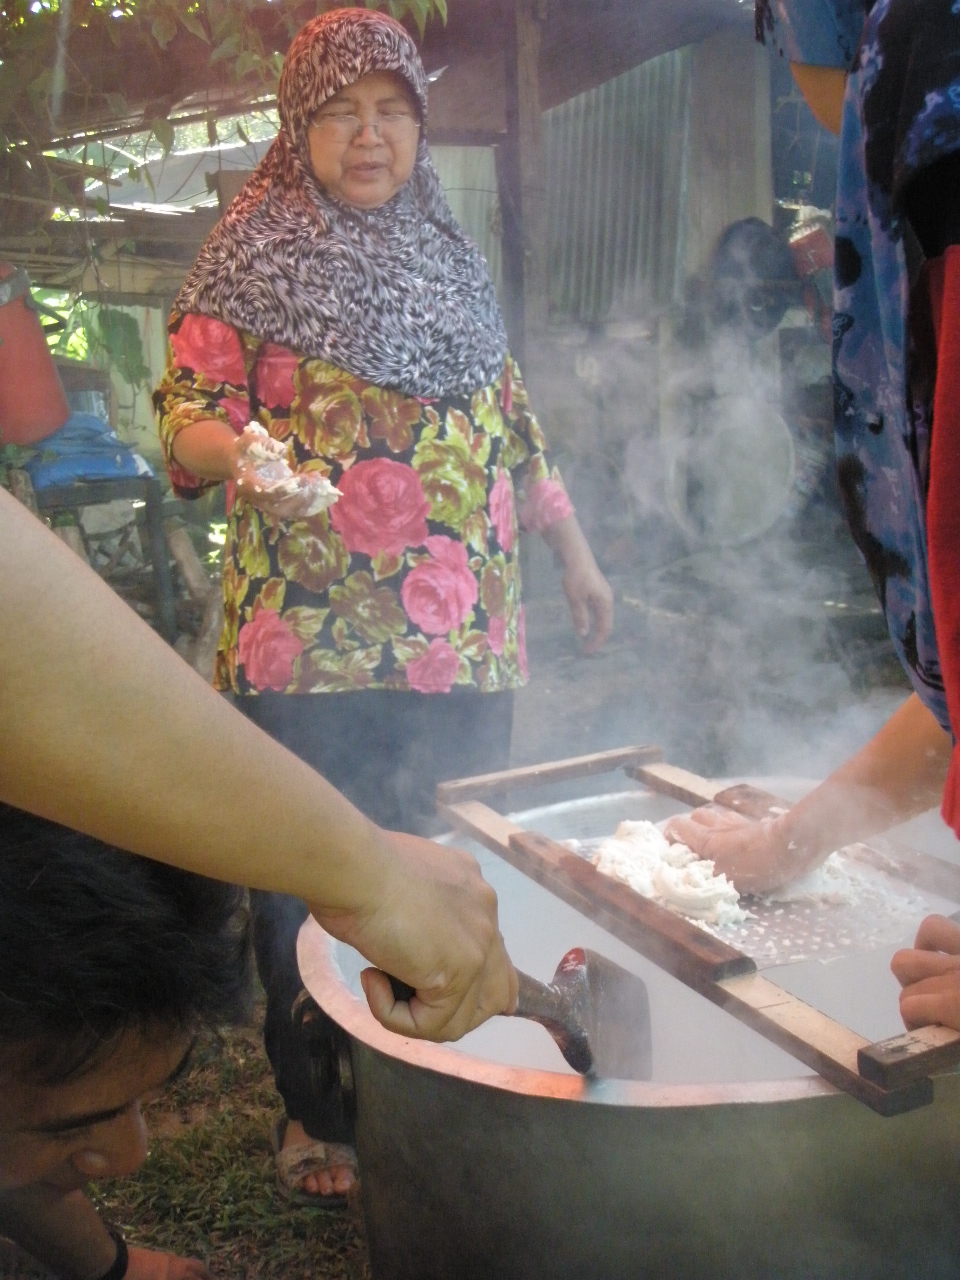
<point>720,973</point>
<point>668,780</point>
<point>828,1047</point>
<point>667,939</point>
<point>490,784</point>
<point>900,1060</point>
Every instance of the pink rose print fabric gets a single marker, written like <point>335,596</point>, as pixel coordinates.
<point>267,650</point>
<point>273,376</point>
<point>439,594</point>
<point>237,409</point>
<point>547,503</point>
<point>411,581</point>
<point>501,510</point>
<point>436,671</point>
<point>383,510</point>
<point>210,348</point>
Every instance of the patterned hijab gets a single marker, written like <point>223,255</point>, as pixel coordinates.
<point>397,295</point>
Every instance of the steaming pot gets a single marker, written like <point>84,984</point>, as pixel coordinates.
<point>491,1159</point>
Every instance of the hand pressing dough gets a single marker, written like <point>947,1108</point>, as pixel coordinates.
<point>640,855</point>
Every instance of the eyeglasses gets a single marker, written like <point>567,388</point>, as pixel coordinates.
<point>392,126</point>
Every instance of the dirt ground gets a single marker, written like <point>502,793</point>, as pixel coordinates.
<point>768,659</point>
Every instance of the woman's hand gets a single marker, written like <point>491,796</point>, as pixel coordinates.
<point>433,924</point>
<point>146,1264</point>
<point>930,975</point>
<point>756,856</point>
<point>591,602</point>
<point>587,590</point>
<point>264,478</point>
<point>257,464</point>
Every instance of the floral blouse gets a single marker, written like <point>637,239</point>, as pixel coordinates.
<point>412,579</point>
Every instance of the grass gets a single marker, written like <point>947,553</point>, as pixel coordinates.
<point>208,1188</point>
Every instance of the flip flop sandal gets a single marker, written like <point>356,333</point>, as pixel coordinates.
<point>298,1162</point>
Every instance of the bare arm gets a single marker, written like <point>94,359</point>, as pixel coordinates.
<point>587,590</point>
<point>105,729</point>
<point>213,451</point>
<point>208,449</point>
<point>897,775</point>
<point>65,1233</point>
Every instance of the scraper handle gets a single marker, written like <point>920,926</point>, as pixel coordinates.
<point>904,1059</point>
<point>536,999</point>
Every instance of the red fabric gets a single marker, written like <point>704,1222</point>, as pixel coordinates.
<point>33,403</point>
<point>943,501</point>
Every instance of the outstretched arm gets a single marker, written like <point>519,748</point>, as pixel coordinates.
<point>104,728</point>
<point>897,775</point>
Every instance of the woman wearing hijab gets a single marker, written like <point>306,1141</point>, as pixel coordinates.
<point>339,305</point>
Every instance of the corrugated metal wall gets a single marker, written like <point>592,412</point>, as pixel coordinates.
<point>615,171</point>
<point>469,178</point>
<point>616,163</point>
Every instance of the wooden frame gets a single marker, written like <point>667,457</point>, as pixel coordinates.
<point>891,1077</point>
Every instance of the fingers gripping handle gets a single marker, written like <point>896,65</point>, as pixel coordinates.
<point>536,1000</point>
<point>402,991</point>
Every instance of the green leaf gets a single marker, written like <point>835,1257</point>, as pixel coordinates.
<point>245,63</point>
<point>420,9</point>
<point>212,131</point>
<point>163,132</point>
<point>101,206</point>
<point>242,134</point>
<point>117,104</point>
<point>163,28</point>
<point>62,192</point>
<point>148,178</point>
<point>196,28</point>
<point>117,336</point>
<point>228,48</point>
<point>38,90</point>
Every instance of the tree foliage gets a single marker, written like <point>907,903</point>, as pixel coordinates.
<point>67,64</point>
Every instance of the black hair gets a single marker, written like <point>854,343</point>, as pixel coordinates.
<point>95,943</point>
<point>752,278</point>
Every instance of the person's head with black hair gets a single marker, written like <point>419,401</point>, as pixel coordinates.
<point>753,281</point>
<point>109,966</point>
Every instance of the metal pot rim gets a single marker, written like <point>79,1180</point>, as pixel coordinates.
<point>323,980</point>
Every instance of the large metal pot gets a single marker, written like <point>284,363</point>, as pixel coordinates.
<point>491,1159</point>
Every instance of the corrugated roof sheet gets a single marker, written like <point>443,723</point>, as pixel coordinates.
<point>615,171</point>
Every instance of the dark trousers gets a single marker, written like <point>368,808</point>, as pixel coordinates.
<point>386,751</point>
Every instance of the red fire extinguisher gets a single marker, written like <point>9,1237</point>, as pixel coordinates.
<point>33,403</point>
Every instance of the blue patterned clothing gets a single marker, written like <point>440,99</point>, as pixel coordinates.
<point>901,115</point>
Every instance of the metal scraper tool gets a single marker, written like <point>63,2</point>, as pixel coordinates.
<point>598,1014</point>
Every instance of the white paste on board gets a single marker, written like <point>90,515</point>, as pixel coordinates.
<point>641,856</point>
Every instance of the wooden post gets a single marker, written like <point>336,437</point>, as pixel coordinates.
<point>521,179</point>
